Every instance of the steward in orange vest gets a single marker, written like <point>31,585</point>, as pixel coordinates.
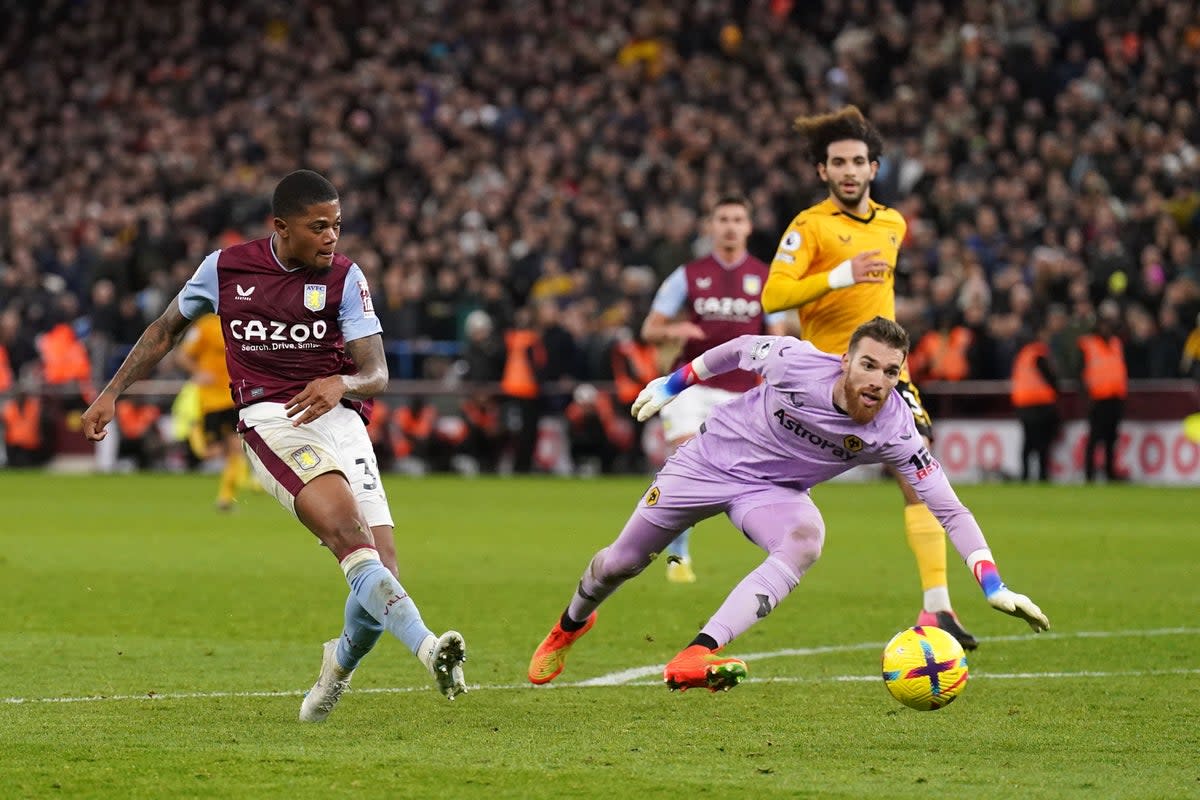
<point>6,376</point>
<point>65,361</point>
<point>1107,382</point>
<point>521,385</point>
<point>524,360</point>
<point>1035,397</point>
<point>25,434</point>
<point>1104,371</point>
<point>140,437</point>
<point>1033,379</point>
<point>634,364</point>
<point>942,355</point>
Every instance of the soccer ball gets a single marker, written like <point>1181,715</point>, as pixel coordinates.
<point>924,668</point>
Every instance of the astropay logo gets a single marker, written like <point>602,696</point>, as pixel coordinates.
<point>244,294</point>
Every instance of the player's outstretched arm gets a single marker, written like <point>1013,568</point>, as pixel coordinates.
<point>914,461</point>
<point>714,361</point>
<point>154,343</point>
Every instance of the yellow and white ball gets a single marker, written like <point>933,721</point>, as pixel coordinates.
<point>924,668</point>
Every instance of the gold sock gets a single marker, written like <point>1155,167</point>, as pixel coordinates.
<point>927,539</point>
<point>235,467</point>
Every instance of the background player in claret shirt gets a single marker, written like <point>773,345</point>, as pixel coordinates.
<point>814,417</point>
<point>304,354</point>
<point>700,305</point>
<point>836,265</point>
<point>202,353</point>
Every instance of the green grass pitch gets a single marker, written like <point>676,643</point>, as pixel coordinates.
<point>151,647</point>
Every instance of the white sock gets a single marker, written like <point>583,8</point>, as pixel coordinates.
<point>377,590</point>
<point>937,599</point>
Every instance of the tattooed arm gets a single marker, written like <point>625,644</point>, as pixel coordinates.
<point>323,394</point>
<point>372,375</point>
<point>155,342</point>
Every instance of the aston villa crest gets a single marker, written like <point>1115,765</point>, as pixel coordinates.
<point>314,296</point>
<point>306,457</point>
<point>752,284</point>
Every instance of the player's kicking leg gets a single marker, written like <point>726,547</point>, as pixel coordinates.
<point>442,656</point>
<point>347,510</point>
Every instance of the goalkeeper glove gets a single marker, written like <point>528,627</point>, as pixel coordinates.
<point>661,391</point>
<point>1020,606</point>
<point>1000,597</point>
<point>651,399</point>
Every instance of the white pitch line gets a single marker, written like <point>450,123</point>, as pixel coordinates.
<point>629,677</point>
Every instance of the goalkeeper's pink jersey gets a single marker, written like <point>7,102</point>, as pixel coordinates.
<point>787,431</point>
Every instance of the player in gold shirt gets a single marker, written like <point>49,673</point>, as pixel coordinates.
<point>836,265</point>
<point>203,355</point>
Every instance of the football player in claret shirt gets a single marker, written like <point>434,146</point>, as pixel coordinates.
<point>814,416</point>
<point>836,265</point>
<point>700,305</point>
<point>305,356</point>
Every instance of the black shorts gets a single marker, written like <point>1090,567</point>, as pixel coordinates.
<point>219,425</point>
<point>911,396</point>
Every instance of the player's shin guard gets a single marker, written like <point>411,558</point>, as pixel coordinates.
<point>378,591</point>
<point>751,600</point>
<point>359,635</point>
<point>927,539</point>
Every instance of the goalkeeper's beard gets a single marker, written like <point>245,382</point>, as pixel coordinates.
<point>858,411</point>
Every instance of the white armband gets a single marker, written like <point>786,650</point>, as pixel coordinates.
<point>841,276</point>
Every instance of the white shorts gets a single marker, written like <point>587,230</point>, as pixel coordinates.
<point>681,417</point>
<point>285,458</point>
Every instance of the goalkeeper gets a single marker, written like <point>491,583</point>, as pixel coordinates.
<point>815,416</point>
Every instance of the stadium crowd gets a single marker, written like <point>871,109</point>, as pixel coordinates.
<point>540,166</point>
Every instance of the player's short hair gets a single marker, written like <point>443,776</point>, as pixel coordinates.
<point>822,130</point>
<point>882,330</point>
<point>733,199</point>
<point>299,190</point>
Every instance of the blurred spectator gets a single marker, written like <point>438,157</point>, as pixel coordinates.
<point>597,433</point>
<point>483,353</point>
<point>1190,360</point>
<point>414,429</point>
<point>495,153</point>
<point>483,434</point>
